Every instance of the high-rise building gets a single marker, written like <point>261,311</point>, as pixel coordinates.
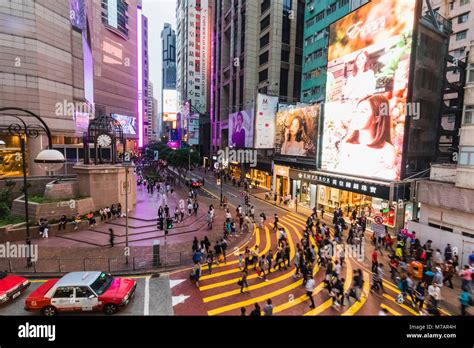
<point>192,56</point>
<point>257,46</point>
<point>117,46</point>
<point>460,23</point>
<point>150,129</point>
<point>45,67</point>
<point>168,44</point>
<point>318,16</point>
<point>446,212</point>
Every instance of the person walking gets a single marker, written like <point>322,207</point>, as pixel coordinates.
<point>374,260</point>
<point>270,261</point>
<point>196,273</point>
<point>210,260</point>
<point>420,292</point>
<point>465,300</point>
<point>268,308</point>
<point>466,275</point>
<point>310,286</point>
<point>195,207</point>
<point>296,262</point>
<point>111,237</point>
<point>243,281</point>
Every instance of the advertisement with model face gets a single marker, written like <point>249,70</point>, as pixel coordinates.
<point>297,130</point>
<point>366,90</point>
<point>265,121</point>
<point>241,129</point>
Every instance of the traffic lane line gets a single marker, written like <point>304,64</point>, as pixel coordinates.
<point>390,310</point>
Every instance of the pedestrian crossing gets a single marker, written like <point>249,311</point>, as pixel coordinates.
<point>220,293</point>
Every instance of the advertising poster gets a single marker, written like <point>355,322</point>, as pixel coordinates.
<point>297,130</point>
<point>265,121</point>
<point>128,124</point>
<point>170,105</point>
<point>366,90</point>
<point>241,129</point>
<point>193,129</point>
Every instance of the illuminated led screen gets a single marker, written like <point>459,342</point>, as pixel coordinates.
<point>366,90</point>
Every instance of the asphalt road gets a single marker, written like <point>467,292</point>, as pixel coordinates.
<point>152,297</point>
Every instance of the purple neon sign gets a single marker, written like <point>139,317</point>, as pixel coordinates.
<point>140,75</point>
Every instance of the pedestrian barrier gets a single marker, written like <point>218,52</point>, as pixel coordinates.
<point>106,264</point>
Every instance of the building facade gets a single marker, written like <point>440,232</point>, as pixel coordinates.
<point>319,14</point>
<point>168,44</point>
<point>194,19</point>
<point>117,47</point>
<point>42,70</point>
<point>446,201</point>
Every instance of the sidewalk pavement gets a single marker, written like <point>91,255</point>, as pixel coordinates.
<point>95,242</point>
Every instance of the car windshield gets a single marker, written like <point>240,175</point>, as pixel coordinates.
<point>102,283</point>
<point>3,274</point>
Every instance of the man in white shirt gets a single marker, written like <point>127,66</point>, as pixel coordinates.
<point>310,286</point>
<point>435,292</point>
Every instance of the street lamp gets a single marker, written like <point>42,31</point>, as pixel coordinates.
<point>49,160</point>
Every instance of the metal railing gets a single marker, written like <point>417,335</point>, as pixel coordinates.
<point>106,264</point>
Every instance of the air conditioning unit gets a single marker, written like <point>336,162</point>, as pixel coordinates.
<point>311,8</point>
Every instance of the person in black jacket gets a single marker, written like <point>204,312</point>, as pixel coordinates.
<point>257,311</point>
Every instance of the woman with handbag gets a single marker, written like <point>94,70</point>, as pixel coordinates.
<point>196,273</point>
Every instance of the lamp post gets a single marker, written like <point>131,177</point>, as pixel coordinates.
<point>49,160</point>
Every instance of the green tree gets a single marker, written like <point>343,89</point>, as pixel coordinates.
<point>181,159</point>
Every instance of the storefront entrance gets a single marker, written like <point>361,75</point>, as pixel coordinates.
<point>260,179</point>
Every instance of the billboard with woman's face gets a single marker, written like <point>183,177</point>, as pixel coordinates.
<point>241,129</point>
<point>366,91</point>
<point>297,130</point>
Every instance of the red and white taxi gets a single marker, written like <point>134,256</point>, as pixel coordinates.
<point>80,292</point>
<point>11,286</point>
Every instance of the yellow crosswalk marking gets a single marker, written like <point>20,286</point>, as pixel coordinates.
<point>401,304</point>
<point>235,270</point>
<point>390,310</point>
<point>256,299</point>
<point>252,276</point>
<point>261,285</point>
<point>358,305</point>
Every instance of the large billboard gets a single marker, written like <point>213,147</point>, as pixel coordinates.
<point>297,130</point>
<point>366,91</point>
<point>128,124</point>
<point>193,129</point>
<point>170,105</point>
<point>265,121</point>
<point>241,129</point>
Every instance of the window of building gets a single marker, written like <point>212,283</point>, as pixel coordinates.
<point>263,75</point>
<point>461,35</point>
<point>285,56</point>
<point>283,82</point>
<point>466,155</point>
<point>468,114</point>
<point>463,2</point>
<point>331,9</point>
<point>286,28</point>
<point>470,73</point>
<point>263,58</point>
<point>264,40</point>
<point>463,18</point>
<point>264,6</point>
<point>342,3</point>
<point>265,23</point>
